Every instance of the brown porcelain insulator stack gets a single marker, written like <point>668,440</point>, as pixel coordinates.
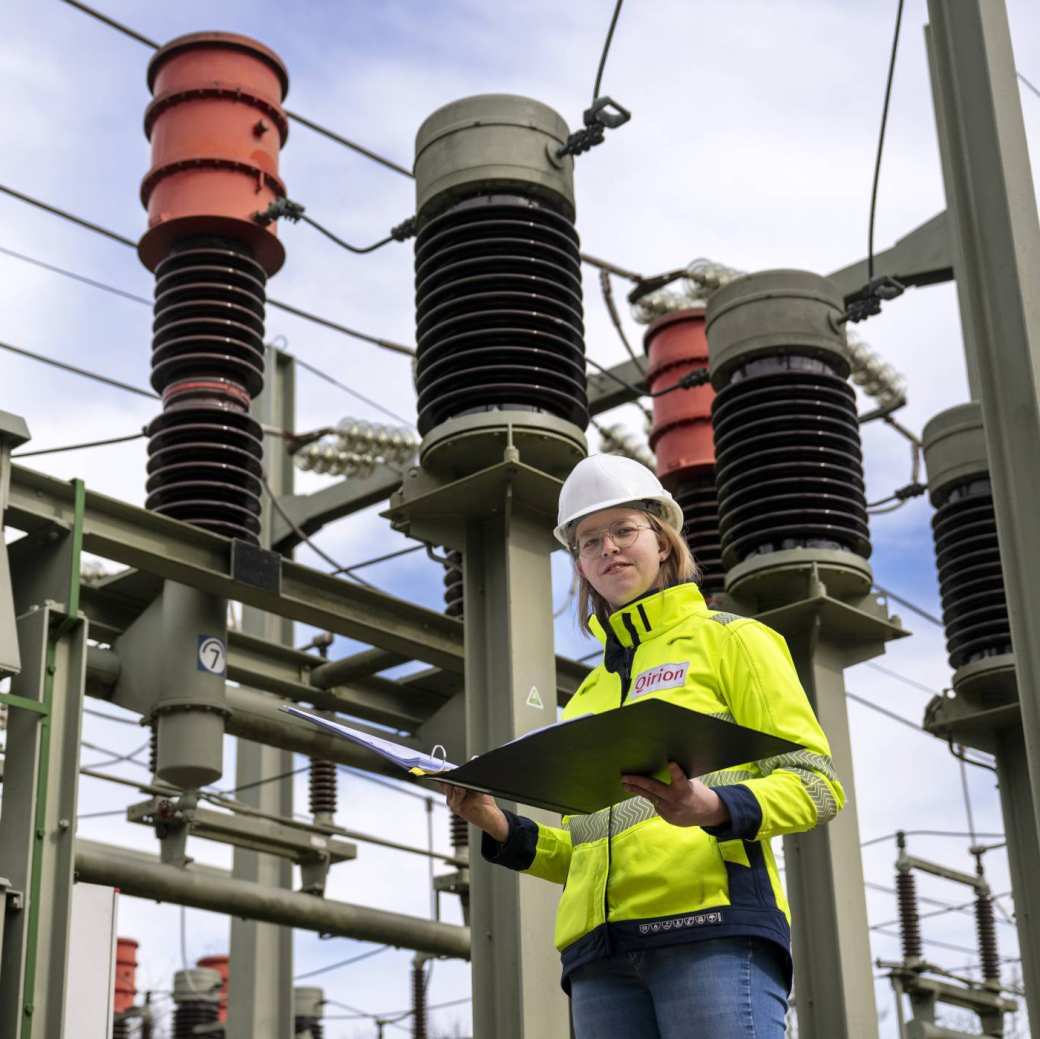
<point>323,789</point>
<point>453,584</point>
<point>419,998</point>
<point>459,833</point>
<point>681,437</point>
<point>216,126</point>
<point>909,915</point>
<point>986,931</point>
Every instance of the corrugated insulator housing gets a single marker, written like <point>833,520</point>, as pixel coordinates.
<point>964,528</point>
<point>126,974</point>
<point>216,126</point>
<point>497,267</point>
<point>221,963</point>
<point>681,437</point>
<point>789,462</point>
<point>454,588</point>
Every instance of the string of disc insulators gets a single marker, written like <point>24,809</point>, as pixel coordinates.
<point>357,447</point>
<point>617,440</point>
<point>877,378</point>
<point>701,279</point>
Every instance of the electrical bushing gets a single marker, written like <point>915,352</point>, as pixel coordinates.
<point>216,127</point>
<point>967,552</point>
<point>681,436</point>
<point>497,283</point>
<point>196,995</point>
<point>789,462</point>
<point>308,1011</point>
<point>454,586</point>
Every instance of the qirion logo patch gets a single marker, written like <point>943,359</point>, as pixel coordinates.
<point>664,676</point>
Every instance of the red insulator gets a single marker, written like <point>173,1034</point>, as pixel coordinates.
<point>676,345</point>
<point>222,965</point>
<point>126,974</point>
<point>216,125</point>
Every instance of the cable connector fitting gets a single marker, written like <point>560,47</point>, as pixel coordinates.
<point>867,302</point>
<point>605,114</point>
<point>911,490</point>
<point>698,377</point>
<point>404,230</point>
<point>280,207</point>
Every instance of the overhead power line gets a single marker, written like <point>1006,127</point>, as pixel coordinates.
<point>79,447</point>
<point>84,372</point>
<point>606,50</point>
<point>909,605</point>
<point>89,225</point>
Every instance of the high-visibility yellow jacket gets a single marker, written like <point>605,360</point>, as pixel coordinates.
<point>630,879</point>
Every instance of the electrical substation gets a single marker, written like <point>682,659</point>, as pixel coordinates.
<point>754,391</point>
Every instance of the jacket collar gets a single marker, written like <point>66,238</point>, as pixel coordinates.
<point>649,616</point>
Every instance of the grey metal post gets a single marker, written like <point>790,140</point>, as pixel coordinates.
<point>38,823</point>
<point>13,432</point>
<point>509,690</point>
<point>816,593</point>
<point>989,194</point>
<point>260,989</point>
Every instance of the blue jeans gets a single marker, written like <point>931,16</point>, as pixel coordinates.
<point>723,988</point>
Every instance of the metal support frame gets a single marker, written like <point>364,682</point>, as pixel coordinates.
<point>260,983</point>
<point>13,432</point>
<point>502,517</point>
<point>37,824</point>
<point>828,627</point>
<point>141,876</point>
<point>996,243</point>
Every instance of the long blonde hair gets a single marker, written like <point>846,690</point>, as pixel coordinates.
<point>678,567</point>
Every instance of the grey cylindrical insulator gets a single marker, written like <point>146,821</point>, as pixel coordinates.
<point>789,466</point>
<point>196,997</point>
<point>986,930</point>
<point>498,309</point>
<point>773,313</point>
<point>323,788</point>
<point>964,528</point>
<point>909,917</point>
<point>419,999</point>
<point>205,450</point>
<point>491,142</point>
<point>453,584</point>
<point>459,833</point>
<point>699,500</point>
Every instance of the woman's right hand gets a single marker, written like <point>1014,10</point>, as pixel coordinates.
<point>478,809</point>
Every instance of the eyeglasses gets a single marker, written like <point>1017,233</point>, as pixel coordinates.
<point>622,533</point>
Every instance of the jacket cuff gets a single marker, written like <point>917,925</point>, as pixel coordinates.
<point>518,849</point>
<point>745,814</point>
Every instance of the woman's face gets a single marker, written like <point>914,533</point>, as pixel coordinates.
<point>619,574</point>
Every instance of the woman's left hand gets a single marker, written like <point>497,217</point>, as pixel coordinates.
<point>683,802</point>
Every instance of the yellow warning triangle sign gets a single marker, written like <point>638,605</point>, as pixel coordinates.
<point>534,698</point>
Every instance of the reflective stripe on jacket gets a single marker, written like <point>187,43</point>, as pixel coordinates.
<point>629,878</point>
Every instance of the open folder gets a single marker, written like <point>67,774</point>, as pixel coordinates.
<point>574,767</point>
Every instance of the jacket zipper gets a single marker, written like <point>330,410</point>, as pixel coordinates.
<point>625,680</point>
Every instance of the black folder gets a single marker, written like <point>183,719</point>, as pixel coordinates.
<point>575,767</point>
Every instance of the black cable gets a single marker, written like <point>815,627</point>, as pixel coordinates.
<point>909,605</point>
<point>698,377</point>
<point>387,344</point>
<point>885,711</point>
<point>294,116</point>
<point>1027,83</point>
<point>606,50</point>
<point>259,782</point>
<point>79,447</point>
<point>389,555</point>
<point>337,568</point>
<point>111,717</point>
<point>929,833</point>
<point>74,276</point>
<point>615,318</point>
<point>341,963</point>
<point>346,389</point>
<point>356,249</point>
<point>79,371</point>
<point>902,678</point>
<point>881,142</point>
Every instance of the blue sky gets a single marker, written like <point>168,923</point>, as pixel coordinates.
<point>752,142</point>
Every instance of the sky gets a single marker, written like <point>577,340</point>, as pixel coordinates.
<point>752,142</point>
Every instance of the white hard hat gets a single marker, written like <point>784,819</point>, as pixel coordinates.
<point>606,481</point>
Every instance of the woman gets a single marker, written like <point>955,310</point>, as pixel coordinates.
<point>672,923</point>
